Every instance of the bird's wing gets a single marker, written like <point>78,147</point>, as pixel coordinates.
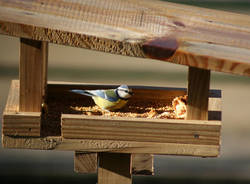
<point>82,92</point>
<point>109,95</point>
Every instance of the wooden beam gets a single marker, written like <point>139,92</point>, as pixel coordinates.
<point>86,145</point>
<point>22,124</point>
<point>32,74</point>
<point>86,162</point>
<point>198,93</point>
<point>214,40</point>
<point>141,129</point>
<point>114,168</point>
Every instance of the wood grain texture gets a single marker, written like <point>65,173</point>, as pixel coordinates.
<point>85,162</point>
<point>142,164</point>
<point>181,34</point>
<point>114,168</point>
<point>86,145</point>
<point>21,124</point>
<point>198,94</point>
<point>32,74</point>
<point>141,129</point>
<point>16,123</point>
<point>12,104</point>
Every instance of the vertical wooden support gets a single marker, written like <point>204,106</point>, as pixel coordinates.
<point>142,164</point>
<point>198,91</point>
<point>32,74</point>
<point>114,168</point>
<point>85,162</point>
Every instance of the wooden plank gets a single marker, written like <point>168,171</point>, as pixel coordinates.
<point>16,123</point>
<point>198,92</point>
<point>32,74</point>
<point>114,168</point>
<point>213,40</point>
<point>86,145</point>
<point>22,124</point>
<point>140,129</point>
<point>85,162</point>
<point>142,164</point>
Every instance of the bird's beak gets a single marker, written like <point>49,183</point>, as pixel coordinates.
<point>131,93</point>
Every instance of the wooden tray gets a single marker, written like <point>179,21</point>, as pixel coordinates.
<point>79,132</point>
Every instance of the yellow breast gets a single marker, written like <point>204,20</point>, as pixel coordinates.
<point>107,105</point>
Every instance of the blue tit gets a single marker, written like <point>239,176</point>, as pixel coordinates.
<point>110,99</point>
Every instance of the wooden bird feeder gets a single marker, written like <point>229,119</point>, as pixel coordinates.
<point>117,147</point>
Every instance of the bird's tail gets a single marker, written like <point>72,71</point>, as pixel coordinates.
<point>82,92</point>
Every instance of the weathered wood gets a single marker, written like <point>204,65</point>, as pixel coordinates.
<point>142,164</point>
<point>86,145</point>
<point>114,168</point>
<point>32,74</point>
<point>16,123</point>
<point>141,129</point>
<point>85,162</point>
<point>198,93</point>
<point>213,40</point>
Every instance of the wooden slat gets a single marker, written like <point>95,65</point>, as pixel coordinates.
<point>181,34</point>
<point>32,74</point>
<point>138,129</point>
<point>20,124</point>
<point>16,123</point>
<point>198,93</point>
<point>86,145</point>
<point>114,168</point>
<point>142,164</point>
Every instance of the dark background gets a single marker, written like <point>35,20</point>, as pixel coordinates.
<point>73,64</point>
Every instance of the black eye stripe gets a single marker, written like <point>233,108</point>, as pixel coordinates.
<point>124,90</point>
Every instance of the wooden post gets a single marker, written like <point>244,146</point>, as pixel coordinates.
<point>114,168</point>
<point>198,91</point>
<point>85,162</point>
<point>32,74</point>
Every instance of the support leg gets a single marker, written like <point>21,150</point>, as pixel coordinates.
<point>114,168</point>
<point>142,164</point>
<point>85,162</point>
<point>32,74</point>
<point>198,91</point>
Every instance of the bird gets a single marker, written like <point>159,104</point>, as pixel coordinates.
<point>109,99</point>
